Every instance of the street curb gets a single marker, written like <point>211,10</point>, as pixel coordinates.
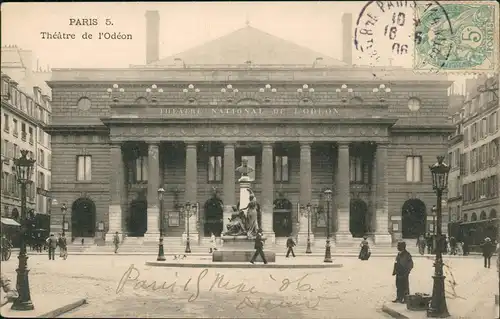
<point>242,265</point>
<point>64,309</point>
<point>50,314</point>
<point>393,313</point>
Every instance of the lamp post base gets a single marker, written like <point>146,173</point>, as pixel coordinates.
<point>161,252</point>
<point>188,247</point>
<point>23,302</point>
<point>328,254</point>
<point>438,307</point>
<point>308,248</point>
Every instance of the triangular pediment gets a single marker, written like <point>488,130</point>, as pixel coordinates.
<point>249,44</point>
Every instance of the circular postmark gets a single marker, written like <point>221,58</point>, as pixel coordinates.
<point>388,30</point>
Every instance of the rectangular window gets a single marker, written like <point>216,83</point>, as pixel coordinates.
<point>413,169</point>
<point>17,151</point>
<point>474,132</point>
<point>215,168</point>
<point>42,158</point>
<point>84,167</point>
<point>450,160</point>
<point>493,123</point>
<point>466,137</point>
<point>281,169</point>
<point>356,169</point>
<point>15,131</point>
<point>473,162</point>
<point>30,135</point>
<point>141,169</point>
<point>485,127</point>
<point>6,123</point>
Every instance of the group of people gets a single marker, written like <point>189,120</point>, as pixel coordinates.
<point>449,245</point>
<point>53,242</point>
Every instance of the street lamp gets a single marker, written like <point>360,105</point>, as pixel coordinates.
<point>188,210</point>
<point>305,94</point>
<point>438,307</point>
<point>161,252</point>
<point>24,169</point>
<point>229,93</point>
<point>115,92</point>
<point>268,92</point>
<point>344,93</point>
<point>306,211</point>
<point>191,93</point>
<point>64,223</point>
<point>151,92</point>
<point>328,197</point>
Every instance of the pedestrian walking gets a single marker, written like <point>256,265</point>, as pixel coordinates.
<point>364,253</point>
<point>116,242</point>
<point>52,244</point>
<point>453,245</point>
<point>259,248</point>
<point>421,244</point>
<point>488,248</point>
<point>290,243</point>
<point>402,268</point>
<point>213,243</point>
<point>63,247</point>
<point>429,241</point>
<point>460,248</point>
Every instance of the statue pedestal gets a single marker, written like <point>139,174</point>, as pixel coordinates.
<point>239,249</point>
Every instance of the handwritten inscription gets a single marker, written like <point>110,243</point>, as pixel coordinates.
<point>248,111</point>
<point>219,283</point>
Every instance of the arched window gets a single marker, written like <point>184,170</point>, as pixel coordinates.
<point>482,216</point>
<point>356,100</point>
<point>466,217</point>
<point>473,218</point>
<point>141,101</point>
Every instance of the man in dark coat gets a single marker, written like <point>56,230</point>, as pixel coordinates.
<point>402,268</point>
<point>430,243</point>
<point>290,244</point>
<point>488,248</point>
<point>453,245</point>
<point>52,243</point>
<point>259,248</point>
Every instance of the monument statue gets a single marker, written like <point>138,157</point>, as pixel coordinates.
<point>245,221</point>
<point>244,169</point>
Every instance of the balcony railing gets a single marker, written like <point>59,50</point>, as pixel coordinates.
<point>15,133</point>
<point>23,136</point>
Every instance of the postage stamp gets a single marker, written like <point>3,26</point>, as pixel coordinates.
<point>458,37</point>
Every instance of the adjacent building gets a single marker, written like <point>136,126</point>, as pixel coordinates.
<point>305,121</point>
<point>481,136</point>
<point>25,115</point>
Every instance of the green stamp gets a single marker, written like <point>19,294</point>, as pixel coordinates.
<point>456,37</point>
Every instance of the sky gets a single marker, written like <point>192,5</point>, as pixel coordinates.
<point>316,25</point>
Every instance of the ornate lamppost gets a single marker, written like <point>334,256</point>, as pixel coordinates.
<point>306,211</point>
<point>382,91</point>
<point>305,94</point>
<point>188,211</point>
<point>268,92</point>
<point>344,93</point>
<point>161,252</point>
<point>229,93</point>
<point>24,169</point>
<point>328,197</point>
<point>191,93</point>
<point>115,92</point>
<point>438,307</point>
<point>64,223</point>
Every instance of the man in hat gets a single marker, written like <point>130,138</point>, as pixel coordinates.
<point>52,243</point>
<point>488,249</point>
<point>259,248</point>
<point>116,242</point>
<point>402,268</point>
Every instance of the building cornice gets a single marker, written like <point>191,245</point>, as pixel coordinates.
<point>71,129</point>
<point>423,129</point>
<point>456,139</point>
<point>32,120</point>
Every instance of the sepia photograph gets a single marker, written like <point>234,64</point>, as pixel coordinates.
<point>291,160</point>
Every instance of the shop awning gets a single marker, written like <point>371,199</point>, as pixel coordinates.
<point>10,221</point>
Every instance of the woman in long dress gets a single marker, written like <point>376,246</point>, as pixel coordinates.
<point>213,244</point>
<point>364,253</point>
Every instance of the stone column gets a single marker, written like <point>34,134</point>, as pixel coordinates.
<point>229,180</point>
<point>267,194</point>
<point>382,236</point>
<point>305,192</point>
<point>191,190</point>
<point>117,190</point>
<point>343,235</point>
<point>153,232</point>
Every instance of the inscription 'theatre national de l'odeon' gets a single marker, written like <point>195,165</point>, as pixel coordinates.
<point>248,111</point>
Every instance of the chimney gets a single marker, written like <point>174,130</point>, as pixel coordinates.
<point>152,36</point>
<point>347,38</point>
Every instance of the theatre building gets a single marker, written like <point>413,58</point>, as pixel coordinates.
<point>306,123</point>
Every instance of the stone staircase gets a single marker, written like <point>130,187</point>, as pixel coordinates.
<point>76,245</point>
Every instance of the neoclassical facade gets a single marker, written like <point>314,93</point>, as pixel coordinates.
<point>120,134</point>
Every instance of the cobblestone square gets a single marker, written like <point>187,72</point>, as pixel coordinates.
<point>358,290</point>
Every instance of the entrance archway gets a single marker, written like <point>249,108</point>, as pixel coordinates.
<point>83,218</point>
<point>282,217</point>
<point>214,209</point>
<point>413,218</point>
<point>357,218</point>
<point>138,220</point>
